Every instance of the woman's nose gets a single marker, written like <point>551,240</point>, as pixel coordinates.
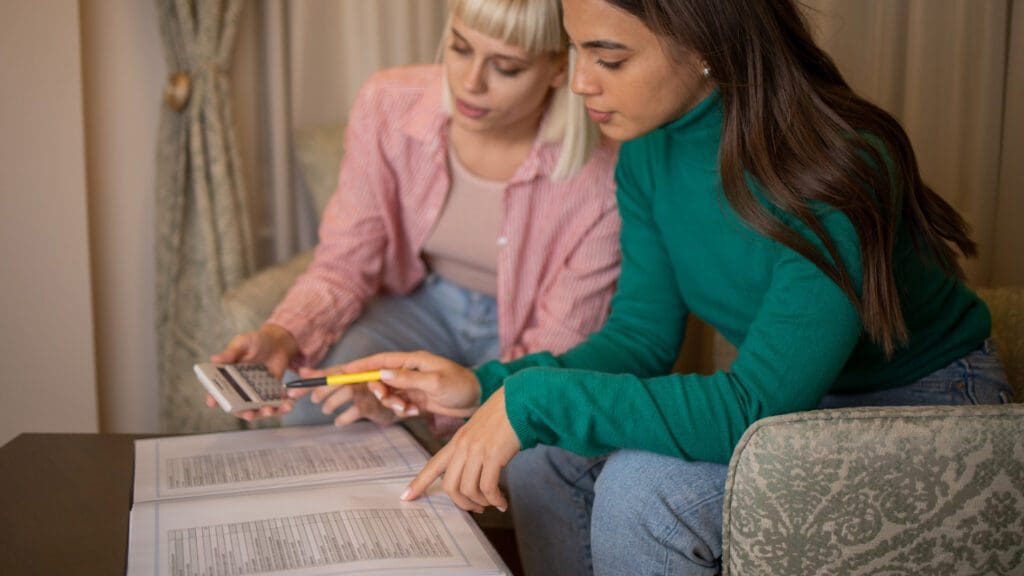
<point>583,83</point>
<point>473,81</point>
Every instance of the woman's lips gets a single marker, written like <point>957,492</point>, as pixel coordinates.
<point>469,110</point>
<point>598,116</point>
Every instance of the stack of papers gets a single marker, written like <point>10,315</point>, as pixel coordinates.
<point>300,500</point>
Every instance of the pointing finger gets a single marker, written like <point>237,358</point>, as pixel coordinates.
<point>430,472</point>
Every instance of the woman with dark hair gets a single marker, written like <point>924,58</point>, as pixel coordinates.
<point>759,192</point>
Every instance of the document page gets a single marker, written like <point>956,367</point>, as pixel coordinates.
<point>351,528</point>
<point>185,466</point>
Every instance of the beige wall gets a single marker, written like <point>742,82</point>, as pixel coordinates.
<point>46,330</point>
<point>1008,265</point>
<point>123,71</point>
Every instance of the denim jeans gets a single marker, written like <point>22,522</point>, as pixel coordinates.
<point>634,512</point>
<point>439,317</point>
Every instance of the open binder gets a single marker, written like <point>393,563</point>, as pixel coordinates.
<point>302,500</point>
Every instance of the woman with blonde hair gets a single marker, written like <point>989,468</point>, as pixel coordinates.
<point>475,216</point>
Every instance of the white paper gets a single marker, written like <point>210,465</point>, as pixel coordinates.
<point>229,462</point>
<point>297,501</point>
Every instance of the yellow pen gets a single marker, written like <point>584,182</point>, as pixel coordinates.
<point>336,380</point>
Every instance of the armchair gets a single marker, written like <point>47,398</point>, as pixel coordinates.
<point>894,491</point>
<point>318,152</point>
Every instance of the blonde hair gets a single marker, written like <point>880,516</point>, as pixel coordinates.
<point>534,26</point>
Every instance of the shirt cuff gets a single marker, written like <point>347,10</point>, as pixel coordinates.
<point>517,413</point>
<point>490,375</point>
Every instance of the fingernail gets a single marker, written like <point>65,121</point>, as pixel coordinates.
<point>387,375</point>
<point>405,495</point>
<point>412,411</point>
<point>502,508</point>
<point>378,394</point>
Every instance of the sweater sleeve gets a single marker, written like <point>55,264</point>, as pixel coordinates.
<point>797,345</point>
<point>645,327</point>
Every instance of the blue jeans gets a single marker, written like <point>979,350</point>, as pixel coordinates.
<point>439,317</point>
<point>635,512</point>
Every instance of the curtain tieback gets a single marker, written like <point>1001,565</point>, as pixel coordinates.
<point>179,85</point>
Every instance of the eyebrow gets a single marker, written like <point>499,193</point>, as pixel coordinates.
<point>499,55</point>
<point>605,45</point>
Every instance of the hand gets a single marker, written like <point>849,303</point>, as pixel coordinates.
<point>426,381</point>
<point>364,401</point>
<point>471,463</point>
<point>272,346</point>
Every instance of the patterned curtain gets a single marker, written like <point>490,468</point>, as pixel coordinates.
<point>203,240</point>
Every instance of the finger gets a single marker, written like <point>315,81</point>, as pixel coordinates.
<point>348,416</point>
<point>379,414</point>
<point>431,470</point>
<point>489,487</point>
<point>247,347</point>
<point>395,404</point>
<point>335,401</point>
<point>428,382</point>
<point>469,484</point>
<point>210,401</point>
<point>320,393</point>
<point>285,407</point>
<point>311,373</point>
<point>378,389</point>
<point>371,408</point>
<point>247,415</point>
<point>277,364</point>
<point>298,392</point>
<point>231,353</point>
<point>396,361</point>
<point>452,482</point>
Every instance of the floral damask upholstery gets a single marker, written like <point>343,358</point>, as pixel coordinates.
<point>881,491</point>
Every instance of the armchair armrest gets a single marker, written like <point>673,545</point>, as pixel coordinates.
<point>910,490</point>
<point>249,304</point>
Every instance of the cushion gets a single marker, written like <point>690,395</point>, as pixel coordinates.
<point>249,304</point>
<point>318,153</point>
<point>1007,307</point>
<point>910,490</point>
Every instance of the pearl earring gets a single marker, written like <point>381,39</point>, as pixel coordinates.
<point>706,70</point>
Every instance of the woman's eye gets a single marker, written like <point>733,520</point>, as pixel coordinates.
<point>509,72</point>
<point>610,65</point>
<point>459,49</point>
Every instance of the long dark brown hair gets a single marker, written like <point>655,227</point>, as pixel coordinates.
<point>793,123</point>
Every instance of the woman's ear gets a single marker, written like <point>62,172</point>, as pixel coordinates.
<point>561,63</point>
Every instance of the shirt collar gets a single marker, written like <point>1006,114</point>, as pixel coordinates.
<point>705,117</point>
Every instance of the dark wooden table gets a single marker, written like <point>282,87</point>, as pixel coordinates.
<point>66,500</point>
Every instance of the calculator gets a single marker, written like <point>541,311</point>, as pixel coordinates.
<point>241,386</point>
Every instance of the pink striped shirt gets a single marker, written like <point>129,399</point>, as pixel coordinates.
<point>559,255</point>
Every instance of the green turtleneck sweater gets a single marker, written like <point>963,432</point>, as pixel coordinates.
<point>685,250</point>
